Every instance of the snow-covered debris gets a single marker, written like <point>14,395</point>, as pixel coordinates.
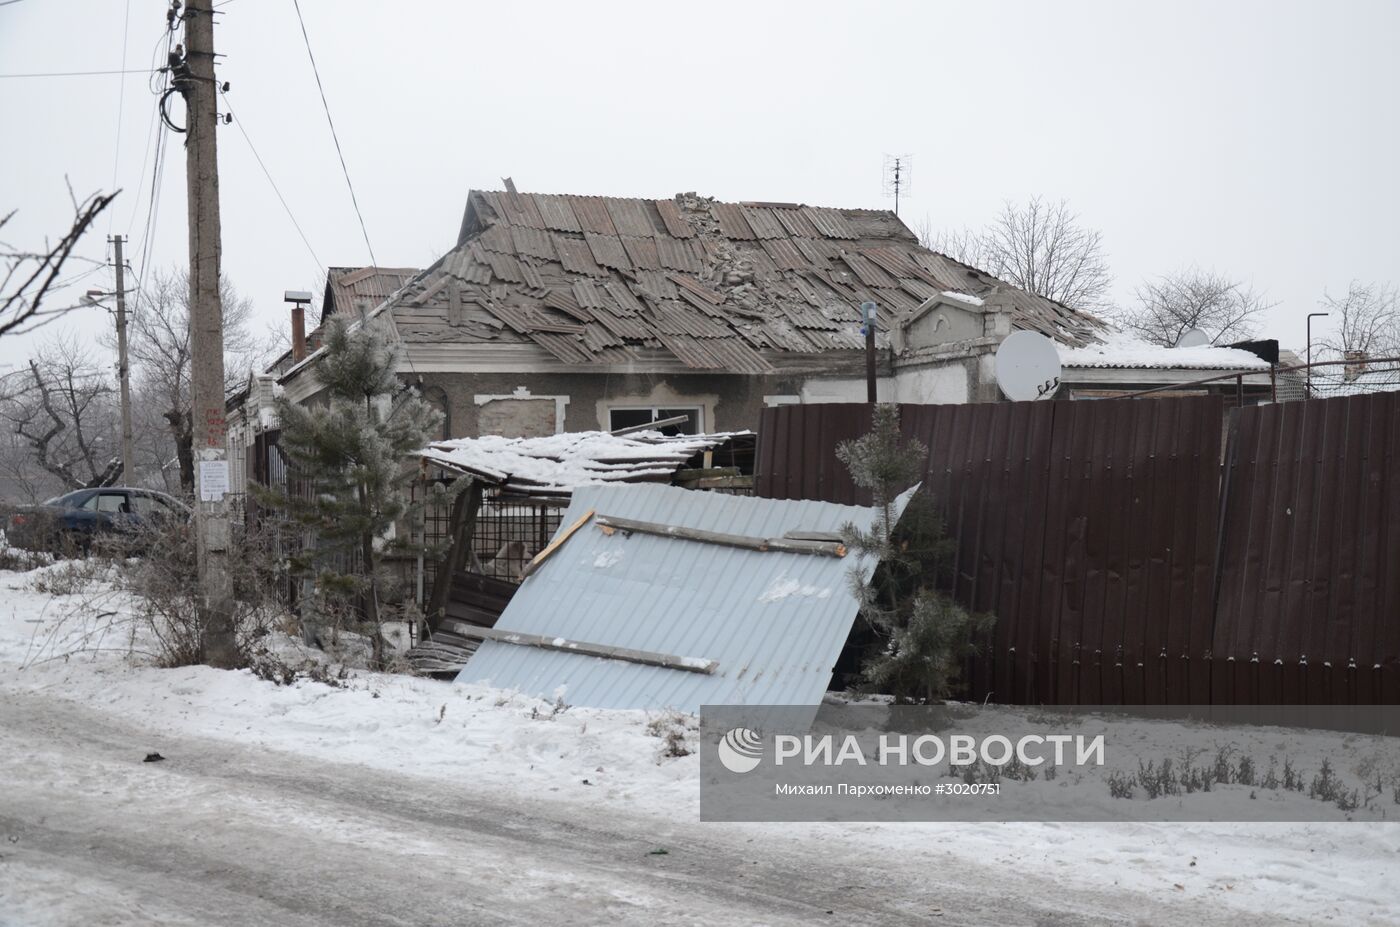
<point>556,464</point>
<point>963,297</point>
<point>1119,349</point>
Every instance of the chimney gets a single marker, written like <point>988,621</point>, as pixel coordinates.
<point>298,332</point>
<point>299,299</point>
<point>1355,365</point>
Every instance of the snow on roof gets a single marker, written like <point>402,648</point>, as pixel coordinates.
<point>556,464</point>
<point>963,297</point>
<point>1122,350</point>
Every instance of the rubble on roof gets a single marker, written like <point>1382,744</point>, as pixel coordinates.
<point>557,464</point>
<point>641,619</point>
<point>593,279</point>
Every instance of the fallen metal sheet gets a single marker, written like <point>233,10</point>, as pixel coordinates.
<point>773,623</point>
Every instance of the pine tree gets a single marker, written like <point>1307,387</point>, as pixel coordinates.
<point>347,448</point>
<point>925,635</point>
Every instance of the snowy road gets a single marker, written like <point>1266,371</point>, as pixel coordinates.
<point>225,834</point>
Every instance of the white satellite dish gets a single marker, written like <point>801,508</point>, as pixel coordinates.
<point>1192,338</point>
<point>1028,366</point>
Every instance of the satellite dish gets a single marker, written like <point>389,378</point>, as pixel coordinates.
<point>1192,338</point>
<point>1028,366</point>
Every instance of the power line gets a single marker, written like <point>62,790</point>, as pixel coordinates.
<point>268,174</point>
<point>121,109</point>
<point>70,73</point>
<point>148,230</point>
<point>326,106</point>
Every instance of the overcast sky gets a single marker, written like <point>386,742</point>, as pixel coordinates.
<point>1258,139</point>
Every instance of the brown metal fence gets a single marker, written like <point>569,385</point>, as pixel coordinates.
<point>1094,532</point>
<point>1308,609</point>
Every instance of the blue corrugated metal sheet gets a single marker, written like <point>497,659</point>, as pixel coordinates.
<point>775,622</point>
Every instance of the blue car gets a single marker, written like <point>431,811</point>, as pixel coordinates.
<point>71,522</point>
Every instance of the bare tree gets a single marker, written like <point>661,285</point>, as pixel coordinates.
<point>1366,319</point>
<point>160,352</point>
<point>28,276</point>
<point>62,409</point>
<point>965,245</point>
<point>1040,247</point>
<point>1172,305</point>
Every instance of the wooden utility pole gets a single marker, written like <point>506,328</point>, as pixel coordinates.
<point>197,84</point>
<point>867,317</point>
<point>124,366</point>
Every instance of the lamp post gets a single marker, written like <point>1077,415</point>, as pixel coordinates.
<point>1309,377</point>
<point>124,373</point>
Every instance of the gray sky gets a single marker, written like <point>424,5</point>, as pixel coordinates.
<point>1256,138</point>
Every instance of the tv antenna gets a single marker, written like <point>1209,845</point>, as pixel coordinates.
<point>897,177</point>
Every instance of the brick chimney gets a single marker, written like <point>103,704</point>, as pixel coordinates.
<point>298,332</point>
<point>1355,365</point>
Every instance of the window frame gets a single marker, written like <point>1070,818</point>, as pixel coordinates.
<point>698,411</point>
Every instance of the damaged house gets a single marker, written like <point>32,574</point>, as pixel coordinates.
<point>571,313</point>
<point>561,313</point>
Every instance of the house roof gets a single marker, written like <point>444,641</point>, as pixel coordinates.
<point>773,622</point>
<point>557,464</point>
<point>1381,377</point>
<point>1117,349</point>
<point>719,285</point>
<point>352,289</point>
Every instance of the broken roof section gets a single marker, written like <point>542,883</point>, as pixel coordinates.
<point>555,465</point>
<point>721,286</point>
<point>721,624</point>
<point>356,291</point>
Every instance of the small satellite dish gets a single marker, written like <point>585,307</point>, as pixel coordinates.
<point>1028,366</point>
<point>1192,338</point>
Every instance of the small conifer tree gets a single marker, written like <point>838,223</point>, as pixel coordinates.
<point>348,449</point>
<point>925,635</point>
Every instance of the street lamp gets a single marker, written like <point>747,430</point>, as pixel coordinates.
<point>91,297</point>
<point>1309,377</point>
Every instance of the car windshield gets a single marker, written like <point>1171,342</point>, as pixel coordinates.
<point>69,498</point>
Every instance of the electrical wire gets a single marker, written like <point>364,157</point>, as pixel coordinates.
<point>121,111</point>
<point>71,73</point>
<point>228,106</point>
<point>326,106</point>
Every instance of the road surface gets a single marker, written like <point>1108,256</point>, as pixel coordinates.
<point>220,833</point>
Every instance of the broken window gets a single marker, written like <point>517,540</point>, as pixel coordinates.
<point>631,416</point>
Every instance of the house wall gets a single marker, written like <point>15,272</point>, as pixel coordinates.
<point>523,403</point>
<point>952,382</point>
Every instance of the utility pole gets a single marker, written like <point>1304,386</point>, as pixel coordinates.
<point>867,318</point>
<point>124,366</point>
<point>196,83</point>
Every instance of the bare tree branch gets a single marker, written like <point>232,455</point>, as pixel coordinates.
<point>29,276</point>
<point>1366,319</point>
<point>1170,306</point>
<point>65,415</point>
<point>1040,247</point>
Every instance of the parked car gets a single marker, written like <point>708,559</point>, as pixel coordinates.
<point>71,522</point>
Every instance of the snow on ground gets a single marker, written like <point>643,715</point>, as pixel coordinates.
<point>1336,872</point>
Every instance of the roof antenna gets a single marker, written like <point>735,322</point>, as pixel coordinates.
<point>510,184</point>
<point>897,177</point>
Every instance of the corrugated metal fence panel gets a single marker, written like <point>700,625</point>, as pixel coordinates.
<point>775,622</point>
<point>1309,594</point>
<point>1087,528</point>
